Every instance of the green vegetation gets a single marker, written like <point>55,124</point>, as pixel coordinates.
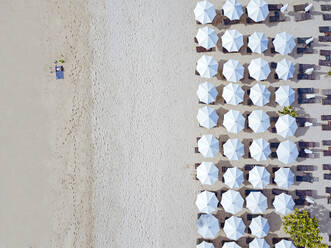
<point>303,229</point>
<point>288,111</point>
<point>329,73</point>
<point>61,61</point>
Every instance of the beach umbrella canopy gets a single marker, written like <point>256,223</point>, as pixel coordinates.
<point>233,177</point>
<point>287,152</point>
<point>207,37</point>
<point>259,95</point>
<point>260,149</point>
<point>284,8</point>
<point>233,149</point>
<point>233,94</point>
<point>206,202</point>
<point>286,126</point>
<point>205,244</point>
<point>284,43</point>
<point>234,121</point>
<point>284,177</point>
<point>285,95</point>
<point>259,227</point>
<point>207,93</point>
<point>259,177</point>
<point>284,244</point>
<point>207,66</point>
<point>232,40</point>
<point>207,117</point>
<point>258,42</point>
<point>233,71</point>
<point>232,201</point>
<point>257,10</point>
<point>207,173</point>
<point>258,121</point>
<point>231,244</point>
<point>232,9</point>
<point>208,146</point>
<point>283,204</point>
<point>208,226</point>
<point>204,12</point>
<point>285,69</point>
<point>256,202</point>
<point>258,243</point>
<point>234,228</point>
<point>259,69</point>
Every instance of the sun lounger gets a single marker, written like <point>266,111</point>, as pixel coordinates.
<point>327,176</point>
<point>326,166</point>
<point>325,52</point>
<point>324,38</point>
<point>300,7</point>
<point>326,127</point>
<point>302,16</point>
<point>326,91</point>
<point>327,17</point>
<point>326,101</point>
<point>324,29</point>
<point>327,153</point>
<point>304,193</point>
<point>278,17</point>
<point>302,100</point>
<point>247,191</point>
<point>303,76</point>
<point>305,178</point>
<point>303,67</point>
<point>305,168</point>
<point>299,202</point>
<point>324,62</point>
<point>201,49</point>
<point>302,40</point>
<point>325,7</point>
<point>326,142</point>
<point>306,90</point>
<point>59,71</point>
<point>273,7</point>
<point>328,190</point>
<point>305,50</point>
<point>304,144</point>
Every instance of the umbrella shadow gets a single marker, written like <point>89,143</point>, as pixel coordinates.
<point>322,214</point>
<point>275,221</point>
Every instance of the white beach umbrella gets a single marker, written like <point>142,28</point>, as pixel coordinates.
<point>284,8</point>
<point>207,66</point>
<point>258,121</point>
<point>259,177</point>
<point>260,149</point>
<point>309,71</point>
<point>286,126</point>
<point>287,152</point>
<point>283,204</point>
<point>208,146</point>
<point>231,244</point>
<point>260,95</point>
<point>233,149</point>
<point>232,9</point>
<point>257,10</point>
<point>232,202</point>
<point>233,94</point>
<point>207,93</point>
<point>204,12</point>
<point>311,39</point>
<point>206,202</point>
<point>207,117</point>
<point>207,37</point>
<point>233,177</point>
<point>232,40</point>
<point>205,244</point>
<point>258,243</point>
<point>233,71</point>
<point>284,177</point>
<point>259,69</point>
<point>307,8</point>
<point>259,227</point>
<point>208,226</point>
<point>234,121</point>
<point>207,173</point>
<point>285,95</point>
<point>308,124</point>
<point>234,228</point>
<point>256,202</point>
<point>258,42</point>
<point>284,244</point>
<point>284,43</point>
<point>285,69</point>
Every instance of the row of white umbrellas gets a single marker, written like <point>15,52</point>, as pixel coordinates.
<point>233,71</point>
<point>233,94</point>
<point>256,243</point>
<point>259,177</point>
<point>208,146</point>
<point>257,10</point>
<point>258,121</point>
<point>233,203</point>
<point>232,41</point>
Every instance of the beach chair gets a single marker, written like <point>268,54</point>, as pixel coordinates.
<point>304,193</point>
<point>304,50</point>
<point>305,168</point>
<point>303,67</point>
<point>326,91</point>
<point>274,7</point>
<point>325,7</point>
<point>324,38</point>
<point>303,100</point>
<point>299,202</point>
<point>326,142</point>
<point>328,190</point>
<point>303,76</point>
<point>300,7</point>
<point>324,62</point>
<point>324,29</point>
<point>59,71</point>
<point>302,16</point>
<point>327,153</point>
<point>327,17</point>
<point>306,90</point>
<point>327,176</point>
<point>307,177</point>
<point>326,127</point>
<point>325,52</point>
<point>302,40</point>
<point>326,101</point>
<point>326,166</point>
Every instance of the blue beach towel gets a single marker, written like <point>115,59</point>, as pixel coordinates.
<point>59,71</point>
